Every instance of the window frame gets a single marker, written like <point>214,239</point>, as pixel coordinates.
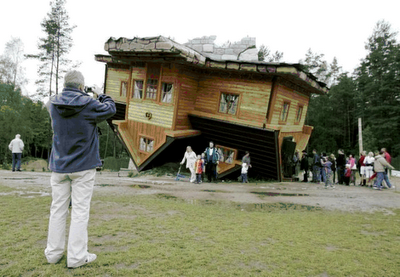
<point>133,89</point>
<point>162,92</point>
<point>126,88</point>
<point>227,111</point>
<point>284,121</point>
<point>299,114</point>
<point>235,151</point>
<point>148,138</point>
<point>153,72</point>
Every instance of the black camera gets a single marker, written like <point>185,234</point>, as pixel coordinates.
<point>88,89</point>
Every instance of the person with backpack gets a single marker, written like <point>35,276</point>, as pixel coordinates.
<point>380,164</point>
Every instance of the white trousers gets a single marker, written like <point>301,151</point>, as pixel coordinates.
<point>77,187</point>
<point>192,173</point>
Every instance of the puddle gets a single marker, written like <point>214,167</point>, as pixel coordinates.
<point>27,194</point>
<point>250,207</point>
<point>104,185</point>
<point>140,186</point>
<point>212,190</point>
<point>267,193</point>
<point>166,196</point>
<point>19,178</point>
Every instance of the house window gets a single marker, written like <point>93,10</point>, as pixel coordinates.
<point>151,89</point>
<point>138,90</point>
<point>228,103</point>
<point>299,113</point>
<point>226,155</point>
<point>285,111</point>
<point>167,90</point>
<point>146,144</point>
<point>124,87</point>
<point>153,75</point>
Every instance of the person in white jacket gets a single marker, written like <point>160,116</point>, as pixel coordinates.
<point>190,158</point>
<point>16,146</point>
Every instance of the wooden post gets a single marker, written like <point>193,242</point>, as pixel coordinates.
<point>360,140</point>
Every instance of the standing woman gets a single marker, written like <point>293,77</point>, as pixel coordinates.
<point>332,159</point>
<point>369,167</point>
<point>353,168</point>
<point>361,164</point>
<point>190,158</point>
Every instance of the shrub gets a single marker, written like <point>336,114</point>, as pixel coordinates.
<point>115,164</point>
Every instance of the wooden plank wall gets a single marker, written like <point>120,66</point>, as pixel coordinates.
<point>253,102</point>
<point>188,86</point>
<point>161,115</point>
<point>113,82</point>
<point>137,129</point>
<point>300,138</point>
<point>295,98</point>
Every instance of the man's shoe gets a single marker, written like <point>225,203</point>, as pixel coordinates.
<point>19,170</point>
<point>89,258</point>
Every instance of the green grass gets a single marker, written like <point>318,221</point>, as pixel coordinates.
<point>154,235</point>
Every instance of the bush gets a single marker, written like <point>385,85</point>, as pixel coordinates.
<point>396,162</point>
<point>6,166</point>
<point>115,164</point>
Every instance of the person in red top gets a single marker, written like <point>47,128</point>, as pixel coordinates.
<point>198,168</point>
<point>362,168</point>
<point>388,158</point>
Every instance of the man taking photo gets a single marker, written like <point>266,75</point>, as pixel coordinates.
<point>73,161</point>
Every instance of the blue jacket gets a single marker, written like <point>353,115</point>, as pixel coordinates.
<point>74,115</point>
<point>211,159</point>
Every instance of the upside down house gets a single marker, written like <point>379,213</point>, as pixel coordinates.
<point>171,95</point>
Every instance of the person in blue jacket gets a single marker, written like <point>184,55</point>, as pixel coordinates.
<point>73,161</point>
<point>211,161</point>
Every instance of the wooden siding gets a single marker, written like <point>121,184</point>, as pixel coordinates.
<point>131,132</point>
<point>161,114</point>
<point>113,82</point>
<point>300,138</point>
<point>187,88</point>
<point>295,99</point>
<point>253,101</point>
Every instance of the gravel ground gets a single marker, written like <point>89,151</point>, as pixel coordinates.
<point>342,198</point>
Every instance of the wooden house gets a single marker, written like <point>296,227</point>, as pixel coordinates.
<point>169,96</point>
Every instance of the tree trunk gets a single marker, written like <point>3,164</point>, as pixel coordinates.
<point>58,59</point>
<point>108,132</point>
<point>114,153</point>
<point>51,71</point>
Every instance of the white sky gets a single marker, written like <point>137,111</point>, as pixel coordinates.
<point>335,28</point>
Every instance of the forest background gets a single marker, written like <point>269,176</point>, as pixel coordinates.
<point>371,92</point>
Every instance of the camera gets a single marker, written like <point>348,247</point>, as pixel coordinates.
<point>88,89</point>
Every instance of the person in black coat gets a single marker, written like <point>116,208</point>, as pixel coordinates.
<point>304,165</point>
<point>340,166</point>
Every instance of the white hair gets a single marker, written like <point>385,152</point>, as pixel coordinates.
<point>17,136</point>
<point>74,79</point>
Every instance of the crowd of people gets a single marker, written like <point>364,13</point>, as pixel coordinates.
<point>372,168</point>
<point>207,162</point>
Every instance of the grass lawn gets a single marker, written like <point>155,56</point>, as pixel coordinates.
<point>150,235</point>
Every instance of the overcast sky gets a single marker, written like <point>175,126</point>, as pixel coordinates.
<point>334,28</point>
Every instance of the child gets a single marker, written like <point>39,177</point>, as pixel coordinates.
<point>328,173</point>
<point>245,168</point>
<point>198,168</point>
<point>203,159</point>
<point>347,175</point>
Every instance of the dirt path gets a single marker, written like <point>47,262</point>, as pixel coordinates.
<point>31,184</point>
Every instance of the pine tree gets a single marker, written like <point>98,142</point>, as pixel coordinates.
<point>54,48</point>
<point>378,86</point>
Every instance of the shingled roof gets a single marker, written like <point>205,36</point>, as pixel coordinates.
<point>125,50</point>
